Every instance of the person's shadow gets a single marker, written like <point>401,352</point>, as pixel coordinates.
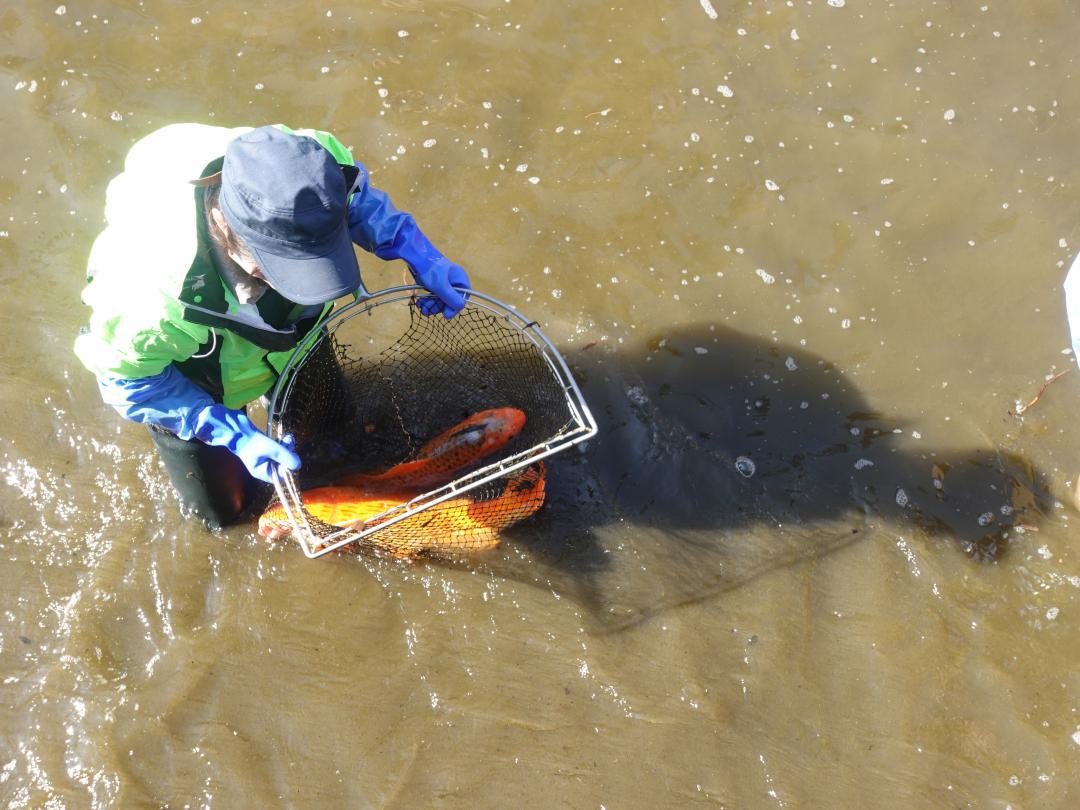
<point>721,457</point>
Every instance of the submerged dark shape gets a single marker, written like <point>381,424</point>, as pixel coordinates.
<point>659,510</point>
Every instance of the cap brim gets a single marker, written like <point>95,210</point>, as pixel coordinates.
<point>313,279</point>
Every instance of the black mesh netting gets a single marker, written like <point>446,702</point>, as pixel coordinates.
<point>362,401</point>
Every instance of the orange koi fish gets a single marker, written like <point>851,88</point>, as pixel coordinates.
<point>457,524</point>
<point>435,463</point>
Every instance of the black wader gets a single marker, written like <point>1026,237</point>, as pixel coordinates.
<point>211,482</point>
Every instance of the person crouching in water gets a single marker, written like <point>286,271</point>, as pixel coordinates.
<point>223,249</point>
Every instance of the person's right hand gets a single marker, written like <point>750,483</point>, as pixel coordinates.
<point>226,427</point>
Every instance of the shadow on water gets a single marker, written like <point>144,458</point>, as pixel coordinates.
<point>722,457</point>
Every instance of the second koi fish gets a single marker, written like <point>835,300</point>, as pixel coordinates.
<point>438,460</point>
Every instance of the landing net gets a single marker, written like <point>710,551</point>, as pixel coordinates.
<point>378,381</point>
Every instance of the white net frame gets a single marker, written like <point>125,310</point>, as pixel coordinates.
<point>580,427</point>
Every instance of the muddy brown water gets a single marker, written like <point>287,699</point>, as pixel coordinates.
<point>828,237</point>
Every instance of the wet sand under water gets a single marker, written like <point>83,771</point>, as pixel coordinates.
<point>827,238</point>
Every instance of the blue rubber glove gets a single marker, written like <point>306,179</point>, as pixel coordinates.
<point>440,278</point>
<point>377,226</point>
<point>225,427</point>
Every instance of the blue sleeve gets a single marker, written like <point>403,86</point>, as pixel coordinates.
<point>379,228</point>
<point>169,400</point>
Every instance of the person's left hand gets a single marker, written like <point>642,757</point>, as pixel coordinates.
<point>440,278</point>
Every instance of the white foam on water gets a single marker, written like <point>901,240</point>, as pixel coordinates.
<point>905,549</point>
<point>708,7</point>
